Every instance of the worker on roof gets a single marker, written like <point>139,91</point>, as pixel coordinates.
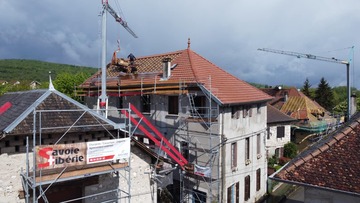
<point>132,58</point>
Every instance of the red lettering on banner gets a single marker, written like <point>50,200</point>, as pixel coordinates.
<point>44,153</point>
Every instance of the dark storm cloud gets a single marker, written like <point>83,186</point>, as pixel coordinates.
<point>226,33</point>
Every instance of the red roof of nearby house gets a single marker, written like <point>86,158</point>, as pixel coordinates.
<point>190,68</point>
<point>332,164</point>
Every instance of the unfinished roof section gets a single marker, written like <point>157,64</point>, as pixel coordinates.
<point>301,107</point>
<point>188,69</point>
<point>332,164</point>
<point>59,113</point>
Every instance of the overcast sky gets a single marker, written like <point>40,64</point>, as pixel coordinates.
<point>227,33</point>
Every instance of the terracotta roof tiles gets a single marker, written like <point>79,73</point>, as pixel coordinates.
<point>190,68</point>
<point>332,164</point>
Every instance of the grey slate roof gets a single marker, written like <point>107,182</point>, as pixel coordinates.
<point>20,102</point>
<point>276,116</point>
<point>56,111</point>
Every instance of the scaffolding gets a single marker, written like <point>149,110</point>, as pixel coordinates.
<point>37,182</point>
<point>196,125</point>
<point>203,184</point>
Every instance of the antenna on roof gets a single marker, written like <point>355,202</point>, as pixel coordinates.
<point>189,43</point>
<point>51,86</point>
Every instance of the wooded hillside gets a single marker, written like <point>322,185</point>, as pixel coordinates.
<point>12,70</point>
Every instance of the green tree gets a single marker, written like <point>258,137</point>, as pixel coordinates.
<point>306,88</point>
<point>66,82</point>
<point>324,95</point>
<point>290,150</point>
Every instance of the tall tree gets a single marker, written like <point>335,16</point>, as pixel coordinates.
<point>324,95</point>
<point>66,82</point>
<point>306,88</point>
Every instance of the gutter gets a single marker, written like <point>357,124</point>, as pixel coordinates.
<point>312,186</point>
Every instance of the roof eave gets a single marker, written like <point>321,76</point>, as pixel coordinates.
<point>312,186</point>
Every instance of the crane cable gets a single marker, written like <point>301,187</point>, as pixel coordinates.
<point>121,14</point>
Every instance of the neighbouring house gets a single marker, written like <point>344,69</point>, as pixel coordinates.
<point>34,84</point>
<point>329,171</point>
<point>56,149</point>
<point>3,82</point>
<point>216,121</point>
<point>279,131</point>
<point>312,120</point>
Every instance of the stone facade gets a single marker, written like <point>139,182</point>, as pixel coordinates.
<point>13,160</point>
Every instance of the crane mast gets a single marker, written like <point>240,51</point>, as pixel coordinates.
<point>103,99</point>
<point>320,58</point>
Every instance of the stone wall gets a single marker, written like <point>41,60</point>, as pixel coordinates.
<point>13,159</point>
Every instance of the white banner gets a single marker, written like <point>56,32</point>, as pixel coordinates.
<point>202,171</point>
<point>108,150</point>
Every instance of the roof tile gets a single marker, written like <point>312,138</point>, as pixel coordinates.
<point>330,164</point>
<point>191,68</point>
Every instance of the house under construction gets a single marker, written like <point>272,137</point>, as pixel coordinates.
<point>206,126</point>
<point>54,149</point>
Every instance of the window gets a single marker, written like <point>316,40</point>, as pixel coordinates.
<point>258,108</point>
<point>258,144</point>
<point>280,132</point>
<point>235,112</point>
<point>268,133</point>
<point>247,188</point>
<point>279,152</point>
<point>247,111</point>
<point>258,179</point>
<point>200,105</point>
<point>247,149</point>
<point>145,103</point>
<point>121,103</point>
<point>199,196</point>
<point>173,105</point>
<point>233,155</point>
<point>233,193</point>
<point>185,149</point>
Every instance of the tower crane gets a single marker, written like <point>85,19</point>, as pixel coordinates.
<point>313,57</point>
<point>103,99</point>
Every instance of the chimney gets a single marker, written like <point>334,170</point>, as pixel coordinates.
<point>353,104</point>
<point>166,68</point>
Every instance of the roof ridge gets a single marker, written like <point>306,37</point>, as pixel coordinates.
<point>189,51</point>
<point>163,54</point>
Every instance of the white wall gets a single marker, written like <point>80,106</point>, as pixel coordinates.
<point>274,142</point>
<point>237,130</point>
<point>10,181</point>
<point>313,195</point>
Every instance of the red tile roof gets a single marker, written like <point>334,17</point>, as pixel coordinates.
<point>332,164</point>
<point>191,68</point>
